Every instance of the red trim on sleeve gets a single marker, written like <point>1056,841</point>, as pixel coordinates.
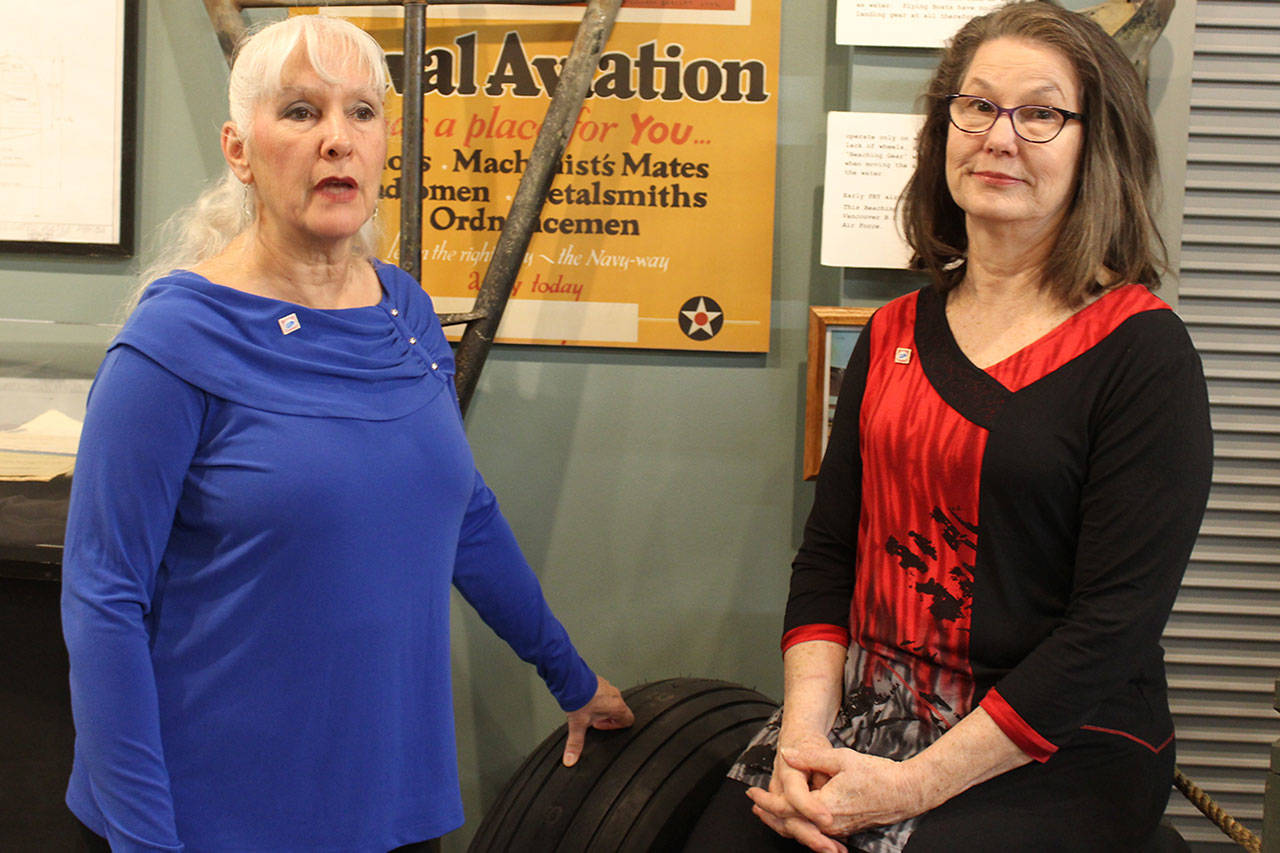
<point>1019,731</point>
<point>805,633</point>
<point>1134,738</point>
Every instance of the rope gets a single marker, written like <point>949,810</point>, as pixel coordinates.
<point>1237,833</point>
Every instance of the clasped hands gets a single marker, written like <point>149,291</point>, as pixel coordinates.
<point>819,791</point>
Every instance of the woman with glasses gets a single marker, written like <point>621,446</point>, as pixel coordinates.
<point>1016,472</point>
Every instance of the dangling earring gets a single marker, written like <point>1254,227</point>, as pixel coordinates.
<point>246,203</point>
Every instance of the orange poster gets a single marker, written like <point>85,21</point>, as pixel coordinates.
<point>657,231</point>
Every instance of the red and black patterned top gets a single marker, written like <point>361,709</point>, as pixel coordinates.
<point>1012,536</point>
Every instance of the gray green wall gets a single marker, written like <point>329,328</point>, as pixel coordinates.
<point>657,495</point>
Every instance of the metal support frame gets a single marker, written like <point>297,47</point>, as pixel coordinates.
<point>562,115</point>
<point>548,148</point>
<point>415,34</point>
<point>1134,24</point>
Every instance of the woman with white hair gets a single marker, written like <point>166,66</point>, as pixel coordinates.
<point>272,498</point>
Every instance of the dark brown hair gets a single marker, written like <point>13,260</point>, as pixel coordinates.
<point>1109,222</point>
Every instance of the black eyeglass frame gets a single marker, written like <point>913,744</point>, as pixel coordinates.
<point>1067,115</point>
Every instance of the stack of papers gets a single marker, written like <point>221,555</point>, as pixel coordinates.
<point>41,449</point>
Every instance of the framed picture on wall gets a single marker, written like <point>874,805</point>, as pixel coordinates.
<point>832,333</point>
<point>68,92</point>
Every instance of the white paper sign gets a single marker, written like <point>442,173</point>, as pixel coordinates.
<point>905,23</point>
<point>61,91</point>
<point>869,161</point>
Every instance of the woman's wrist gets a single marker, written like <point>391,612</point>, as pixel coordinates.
<point>807,719</point>
<point>801,733</point>
<point>919,788</point>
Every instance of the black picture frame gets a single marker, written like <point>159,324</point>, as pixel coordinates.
<point>122,245</point>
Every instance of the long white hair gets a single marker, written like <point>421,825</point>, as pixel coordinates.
<point>227,207</point>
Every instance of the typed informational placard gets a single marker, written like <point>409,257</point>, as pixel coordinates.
<point>870,157</point>
<point>905,23</point>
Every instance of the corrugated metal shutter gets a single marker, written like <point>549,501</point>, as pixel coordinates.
<point>1223,641</point>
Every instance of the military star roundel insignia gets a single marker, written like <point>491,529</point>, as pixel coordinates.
<point>701,318</point>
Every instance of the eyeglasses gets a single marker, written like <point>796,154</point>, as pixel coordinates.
<point>972,114</point>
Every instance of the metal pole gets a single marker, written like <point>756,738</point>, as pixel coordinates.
<point>415,31</point>
<point>562,116</point>
<point>228,23</point>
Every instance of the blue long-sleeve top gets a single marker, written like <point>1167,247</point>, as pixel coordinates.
<point>269,506</point>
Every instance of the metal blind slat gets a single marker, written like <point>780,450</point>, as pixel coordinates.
<point>1223,638</point>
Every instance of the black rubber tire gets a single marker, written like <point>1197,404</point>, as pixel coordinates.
<point>636,790</point>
